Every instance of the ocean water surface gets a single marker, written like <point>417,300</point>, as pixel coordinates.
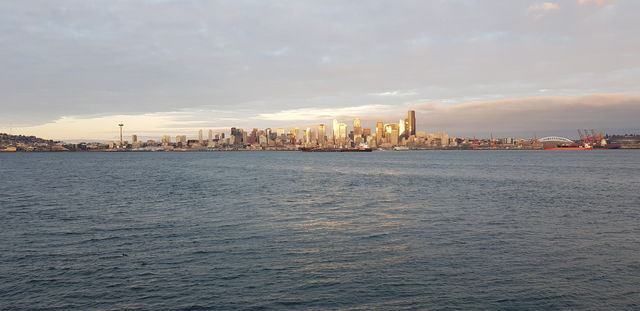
<point>435,230</point>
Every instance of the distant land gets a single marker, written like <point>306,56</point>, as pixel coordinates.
<point>22,143</point>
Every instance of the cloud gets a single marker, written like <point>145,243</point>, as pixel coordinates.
<point>150,125</point>
<point>396,93</point>
<point>309,114</point>
<point>539,10</point>
<point>596,2</point>
<point>546,6</point>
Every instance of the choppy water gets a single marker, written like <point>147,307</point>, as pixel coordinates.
<point>289,230</point>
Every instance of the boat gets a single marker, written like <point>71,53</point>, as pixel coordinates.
<point>401,148</point>
<point>570,147</point>
<point>310,149</point>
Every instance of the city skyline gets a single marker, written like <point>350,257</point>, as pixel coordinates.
<point>72,70</point>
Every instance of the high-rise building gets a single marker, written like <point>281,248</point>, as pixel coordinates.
<point>200,139</point>
<point>357,129</point>
<point>379,132</point>
<point>391,132</point>
<point>305,135</point>
<point>210,135</point>
<point>412,122</point>
<point>280,131</point>
<point>339,132</point>
<point>322,135</point>
<point>342,132</point>
<point>401,127</point>
<point>134,139</point>
<point>312,137</point>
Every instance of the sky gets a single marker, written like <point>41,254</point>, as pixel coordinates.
<point>73,70</point>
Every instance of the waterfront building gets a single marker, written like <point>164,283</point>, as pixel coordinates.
<point>379,132</point>
<point>134,139</point>
<point>200,137</point>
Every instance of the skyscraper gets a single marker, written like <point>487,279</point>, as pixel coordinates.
<point>200,139</point>
<point>322,135</point>
<point>379,132</point>
<point>357,129</point>
<point>412,122</point>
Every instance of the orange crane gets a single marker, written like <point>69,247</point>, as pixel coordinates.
<point>491,142</point>
<point>596,138</point>
<point>582,139</point>
<point>589,138</point>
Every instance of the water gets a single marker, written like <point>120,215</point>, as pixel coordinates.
<point>288,230</point>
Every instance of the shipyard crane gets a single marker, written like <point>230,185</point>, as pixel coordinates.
<point>581,136</point>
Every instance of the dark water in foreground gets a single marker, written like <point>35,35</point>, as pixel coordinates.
<point>288,230</point>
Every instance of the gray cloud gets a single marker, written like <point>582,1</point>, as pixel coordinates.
<point>524,116</point>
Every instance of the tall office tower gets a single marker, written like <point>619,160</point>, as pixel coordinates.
<point>401,127</point>
<point>267,132</point>
<point>379,132</point>
<point>336,130</point>
<point>357,130</point>
<point>307,136</point>
<point>210,135</point>
<point>312,137</point>
<point>296,133</point>
<point>134,139</point>
<point>181,139</point>
<point>343,132</point>
<point>322,135</point>
<point>391,130</point>
<point>394,137</point>
<point>280,131</point>
<point>412,122</point>
<point>200,139</point>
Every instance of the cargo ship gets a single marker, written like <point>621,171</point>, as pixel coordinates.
<point>307,149</point>
<point>584,147</point>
